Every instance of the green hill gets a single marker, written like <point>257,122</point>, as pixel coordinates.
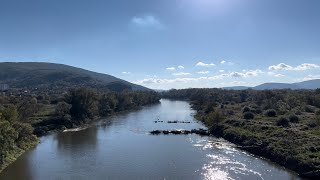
<point>58,76</point>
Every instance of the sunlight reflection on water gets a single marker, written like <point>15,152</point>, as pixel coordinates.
<point>222,161</point>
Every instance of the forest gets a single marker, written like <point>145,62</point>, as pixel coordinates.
<point>23,118</point>
<point>281,125</point>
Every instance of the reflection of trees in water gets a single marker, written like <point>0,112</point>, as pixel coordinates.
<point>21,165</point>
<point>77,140</point>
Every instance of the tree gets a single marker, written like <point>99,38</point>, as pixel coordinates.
<point>62,109</point>
<point>84,104</point>
<point>10,113</point>
<point>8,135</point>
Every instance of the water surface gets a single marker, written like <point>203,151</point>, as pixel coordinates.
<point>121,148</point>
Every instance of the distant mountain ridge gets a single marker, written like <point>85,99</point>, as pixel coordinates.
<point>51,75</point>
<point>310,84</point>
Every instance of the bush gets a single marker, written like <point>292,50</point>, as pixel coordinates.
<point>318,113</point>
<point>214,118</point>
<point>314,122</point>
<point>246,109</point>
<point>284,122</point>
<point>248,115</point>
<point>294,118</point>
<point>309,109</point>
<point>270,113</point>
<point>298,112</point>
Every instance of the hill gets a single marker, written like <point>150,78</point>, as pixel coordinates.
<point>310,84</point>
<point>58,76</point>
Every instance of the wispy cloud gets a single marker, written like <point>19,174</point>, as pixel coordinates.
<point>181,67</point>
<point>250,73</point>
<point>170,68</point>
<point>310,77</point>
<point>147,21</point>
<point>125,72</point>
<point>302,67</point>
<point>205,64</point>
<point>246,73</point>
<point>221,71</point>
<point>181,74</point>
<point>223,61</point>
<point>279,75</point>
<point>203,72</point>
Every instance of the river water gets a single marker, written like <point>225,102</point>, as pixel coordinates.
<point>120,147</point>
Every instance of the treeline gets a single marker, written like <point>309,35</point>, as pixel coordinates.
<point>23,117</point>
<point>281,100</point>
<point>282,125</point>
<point>80,106</point>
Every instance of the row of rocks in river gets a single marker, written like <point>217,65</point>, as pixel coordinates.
<point>200,131</point>
<point>173,122</point>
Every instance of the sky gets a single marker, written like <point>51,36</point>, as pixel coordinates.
<point>164,44</point>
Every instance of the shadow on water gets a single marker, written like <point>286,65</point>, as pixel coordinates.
<point>77,140</point>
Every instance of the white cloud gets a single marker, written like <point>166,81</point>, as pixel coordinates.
<point>223,61</point>
<point>181,67</point>
<point>155,81</point>
<point>221,71</point>
<point>279,75</point>
<point>311,77</point>
<point>302,67</point>
<point>306,66</point>
<point>124,72</point>
<point>161,81</point>
<point>181,74</point>
<point>203,72</point>
<point>270,73</point>
<point>220,76</point>
<point>246,73</point>
<point>147,21</point>
<point>170,68</point>
<point>253,72</point>
<point>281,66</point>
<point>204,64</point>
<point>237,74</point>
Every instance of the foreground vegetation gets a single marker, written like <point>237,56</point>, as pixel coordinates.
<point>22,118</point>
<point>281,125</point>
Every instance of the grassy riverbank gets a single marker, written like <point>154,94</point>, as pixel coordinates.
<point>16,151</point>
<point>280,125</point>
<point>293,147</point>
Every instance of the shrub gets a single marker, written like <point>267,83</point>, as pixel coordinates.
<point>284,122</point>
<point>270,113</point>
<point>294,118</point>
<point>309,109</point>
<point>246,109</point>
<point>248,115</point>
<point>314,122</point>
<point>214,118</point>
<point>318,113</point>
<point>298,112</point>
<point>258,111</point>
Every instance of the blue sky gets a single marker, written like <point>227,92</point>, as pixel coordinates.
<point>167,44</point>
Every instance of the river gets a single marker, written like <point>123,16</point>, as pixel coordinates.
<point>120,147</point>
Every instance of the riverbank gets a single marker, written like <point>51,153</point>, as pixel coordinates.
<point>289,147</point>
<point>280,125</point>
<point>16,152</point>
<point>56,124</point>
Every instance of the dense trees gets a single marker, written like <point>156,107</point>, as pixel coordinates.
<point>82,105</point>
<point>14,135</point>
